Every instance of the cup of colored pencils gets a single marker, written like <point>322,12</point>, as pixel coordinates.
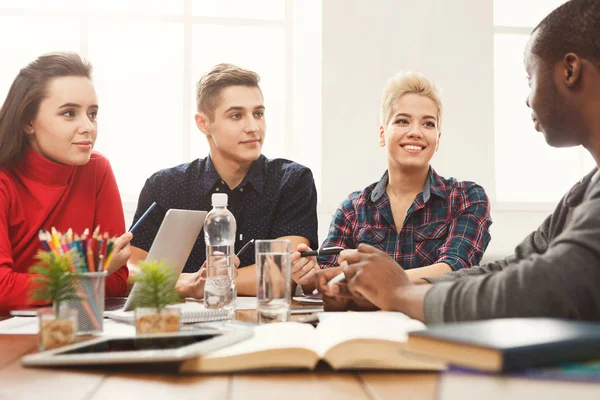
<point>90,256</point>
<point>88,253</point>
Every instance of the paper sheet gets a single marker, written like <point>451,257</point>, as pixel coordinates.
<point>30,326</point>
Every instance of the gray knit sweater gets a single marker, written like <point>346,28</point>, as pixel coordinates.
<point>554,272</point>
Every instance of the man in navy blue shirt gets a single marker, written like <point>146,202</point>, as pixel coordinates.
<point>269,198</point>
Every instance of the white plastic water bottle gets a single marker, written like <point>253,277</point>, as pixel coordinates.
<point>219,234</point>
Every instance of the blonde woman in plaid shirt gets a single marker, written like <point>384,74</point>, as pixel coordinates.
<point>429,224</point>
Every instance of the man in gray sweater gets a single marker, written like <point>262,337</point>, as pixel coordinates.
<point>555,271</point>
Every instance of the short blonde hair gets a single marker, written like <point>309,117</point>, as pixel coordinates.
<point>409,83</point>
<point>221,76</point>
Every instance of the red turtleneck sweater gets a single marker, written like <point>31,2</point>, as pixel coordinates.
<point>39,194</point>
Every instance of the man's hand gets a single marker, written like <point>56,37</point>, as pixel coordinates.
<point>375,276</point>
<point>192,284</point>
<point>338,297</point>
<point>303,268</point>
<point>331,302</point>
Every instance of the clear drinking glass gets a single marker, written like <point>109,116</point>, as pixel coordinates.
<point>273,280</point>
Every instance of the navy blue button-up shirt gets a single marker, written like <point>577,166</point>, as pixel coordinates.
<point>276,198</point>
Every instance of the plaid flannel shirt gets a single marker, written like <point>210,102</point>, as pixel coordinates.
<point>448,222</point>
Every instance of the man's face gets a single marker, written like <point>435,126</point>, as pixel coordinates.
<point>553,111</point>
<point>238,128</point>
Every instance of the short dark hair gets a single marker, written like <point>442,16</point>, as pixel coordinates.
<point>209,87</point>
<point>572,27</point>
<point>25,95</point>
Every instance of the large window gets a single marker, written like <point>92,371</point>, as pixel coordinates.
<point>148,55</point>
<point>527,169</point>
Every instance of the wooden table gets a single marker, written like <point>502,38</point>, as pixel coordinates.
<point>17,382</point>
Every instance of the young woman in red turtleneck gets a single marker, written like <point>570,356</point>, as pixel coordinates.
<point>49,174</point>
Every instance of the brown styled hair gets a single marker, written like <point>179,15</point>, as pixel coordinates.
<point>221,76</point>
<point>25,95</point>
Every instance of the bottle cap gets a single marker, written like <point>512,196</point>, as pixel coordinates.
<point>219,200</point>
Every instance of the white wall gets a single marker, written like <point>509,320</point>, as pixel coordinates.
<point>364,43</point>
<point>367,41</point>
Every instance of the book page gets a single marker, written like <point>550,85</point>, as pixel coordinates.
<point>272,336</point>
<point>335,328</point>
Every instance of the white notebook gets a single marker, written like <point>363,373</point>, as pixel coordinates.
<point>191,312</point>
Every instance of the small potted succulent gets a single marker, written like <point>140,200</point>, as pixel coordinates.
<point>54,281</point>
<point>155,293</point>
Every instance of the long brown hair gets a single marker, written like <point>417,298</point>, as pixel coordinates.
<point>25,95</point>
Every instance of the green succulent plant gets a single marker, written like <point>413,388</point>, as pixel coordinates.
<point>156,285</point>
<point>54,279</point>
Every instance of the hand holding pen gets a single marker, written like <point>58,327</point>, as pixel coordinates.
<point>121,252</point>
<point>324,251</point>
<point>304,266</point>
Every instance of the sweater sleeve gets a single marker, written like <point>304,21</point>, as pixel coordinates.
<point>14,286</point>
<point>109,215</point>
<point>559,282</point>
<point>535,243</point>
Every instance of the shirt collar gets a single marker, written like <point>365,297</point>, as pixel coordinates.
<point>255,176</point>
<point>434,184</point>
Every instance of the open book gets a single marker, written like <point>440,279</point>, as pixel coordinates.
<point>369,340</point>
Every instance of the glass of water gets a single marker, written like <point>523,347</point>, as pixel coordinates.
<point>273,280</point>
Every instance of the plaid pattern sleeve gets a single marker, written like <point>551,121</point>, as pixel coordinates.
<point>341,231</point>
<point>468,231</point>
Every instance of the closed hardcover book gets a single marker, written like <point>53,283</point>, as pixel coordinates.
<point>500,345</point>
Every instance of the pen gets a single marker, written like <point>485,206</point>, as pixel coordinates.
<point>336,279</point>
<point>245,247</point>
<point>139,221</point>
<point>326,251</point>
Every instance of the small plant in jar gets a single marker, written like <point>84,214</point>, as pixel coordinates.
<point>156,292</point>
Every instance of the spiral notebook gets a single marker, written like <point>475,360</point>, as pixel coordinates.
<point>191,312</point>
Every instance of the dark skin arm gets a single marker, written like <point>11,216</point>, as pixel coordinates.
<point>373,280</point>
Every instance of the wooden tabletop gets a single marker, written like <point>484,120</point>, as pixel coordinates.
<point>17,382</point>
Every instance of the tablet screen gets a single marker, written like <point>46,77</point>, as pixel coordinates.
<point>135,344</point>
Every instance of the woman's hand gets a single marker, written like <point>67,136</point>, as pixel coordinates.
<point>120,252</point>
<point>304,268</point>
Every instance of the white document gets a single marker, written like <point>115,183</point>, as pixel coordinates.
<point>30,326</point>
